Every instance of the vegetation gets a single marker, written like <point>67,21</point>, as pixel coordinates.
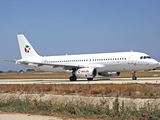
<point>81,109</point>
<point>106,90</point>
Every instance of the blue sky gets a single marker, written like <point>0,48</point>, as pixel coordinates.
<point>57,27</point>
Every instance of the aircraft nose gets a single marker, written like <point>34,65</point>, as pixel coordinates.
<point>155,63</point>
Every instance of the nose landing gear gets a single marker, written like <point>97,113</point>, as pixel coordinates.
<point>134,77</point>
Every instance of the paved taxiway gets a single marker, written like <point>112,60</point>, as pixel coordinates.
<point>80,81</point>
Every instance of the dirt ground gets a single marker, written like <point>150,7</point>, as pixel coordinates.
<point>15,116</point>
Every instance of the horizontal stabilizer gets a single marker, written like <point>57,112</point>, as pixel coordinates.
<point>9,60</point>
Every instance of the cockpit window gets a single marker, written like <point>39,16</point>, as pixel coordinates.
<point>145,57</point>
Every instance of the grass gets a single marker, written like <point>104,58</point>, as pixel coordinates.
<point>81,109</point>
<point>131,90</point>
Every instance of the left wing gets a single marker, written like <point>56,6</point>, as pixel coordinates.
<point>67,66</point>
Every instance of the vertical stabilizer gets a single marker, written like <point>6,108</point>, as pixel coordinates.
<point>25,47</point>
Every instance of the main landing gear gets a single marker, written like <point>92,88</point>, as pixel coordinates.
<point>134,77</point>
<point>73,78</point>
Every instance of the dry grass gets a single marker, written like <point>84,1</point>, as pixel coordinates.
<point>34,75</point>
<point>108,90</point>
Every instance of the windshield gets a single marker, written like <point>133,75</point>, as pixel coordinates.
<point>145,57</point>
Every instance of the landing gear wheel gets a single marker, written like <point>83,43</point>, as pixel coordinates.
<point>134,78</point>
<point>89,79</point>
<point>73,78</point>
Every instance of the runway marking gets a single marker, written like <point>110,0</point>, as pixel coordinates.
<point>81,81</point>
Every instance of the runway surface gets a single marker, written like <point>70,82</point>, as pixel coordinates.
<point>81,81</point>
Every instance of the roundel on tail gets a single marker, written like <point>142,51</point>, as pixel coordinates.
<point>27,48</point>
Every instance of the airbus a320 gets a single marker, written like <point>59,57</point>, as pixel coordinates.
<point>85,65</point>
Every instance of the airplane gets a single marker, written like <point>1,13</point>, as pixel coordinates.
<point>85,65</point>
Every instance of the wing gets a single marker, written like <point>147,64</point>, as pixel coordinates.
<point>66,66</point>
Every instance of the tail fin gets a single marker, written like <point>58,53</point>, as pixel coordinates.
<point>25,47</point>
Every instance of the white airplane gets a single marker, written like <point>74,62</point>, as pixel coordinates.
<point>85,65</point>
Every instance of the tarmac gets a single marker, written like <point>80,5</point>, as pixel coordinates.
<point>81,81</point>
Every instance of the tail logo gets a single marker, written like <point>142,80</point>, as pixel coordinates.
<point>27,49</point>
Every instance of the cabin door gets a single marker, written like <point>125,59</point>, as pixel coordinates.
<point>130,60</point>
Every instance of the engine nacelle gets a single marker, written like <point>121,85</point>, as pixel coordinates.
<point>109,74</point>
<point>86,72</point>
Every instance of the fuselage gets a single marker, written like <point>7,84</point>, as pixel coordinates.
<point>103,62</point>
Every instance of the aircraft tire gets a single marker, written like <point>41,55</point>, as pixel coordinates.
<point>134,78</point>
<point>89,79</point>
<point>73,78</point>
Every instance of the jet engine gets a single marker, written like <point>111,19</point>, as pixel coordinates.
<point>109,74</point>
<point>86,72</point>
